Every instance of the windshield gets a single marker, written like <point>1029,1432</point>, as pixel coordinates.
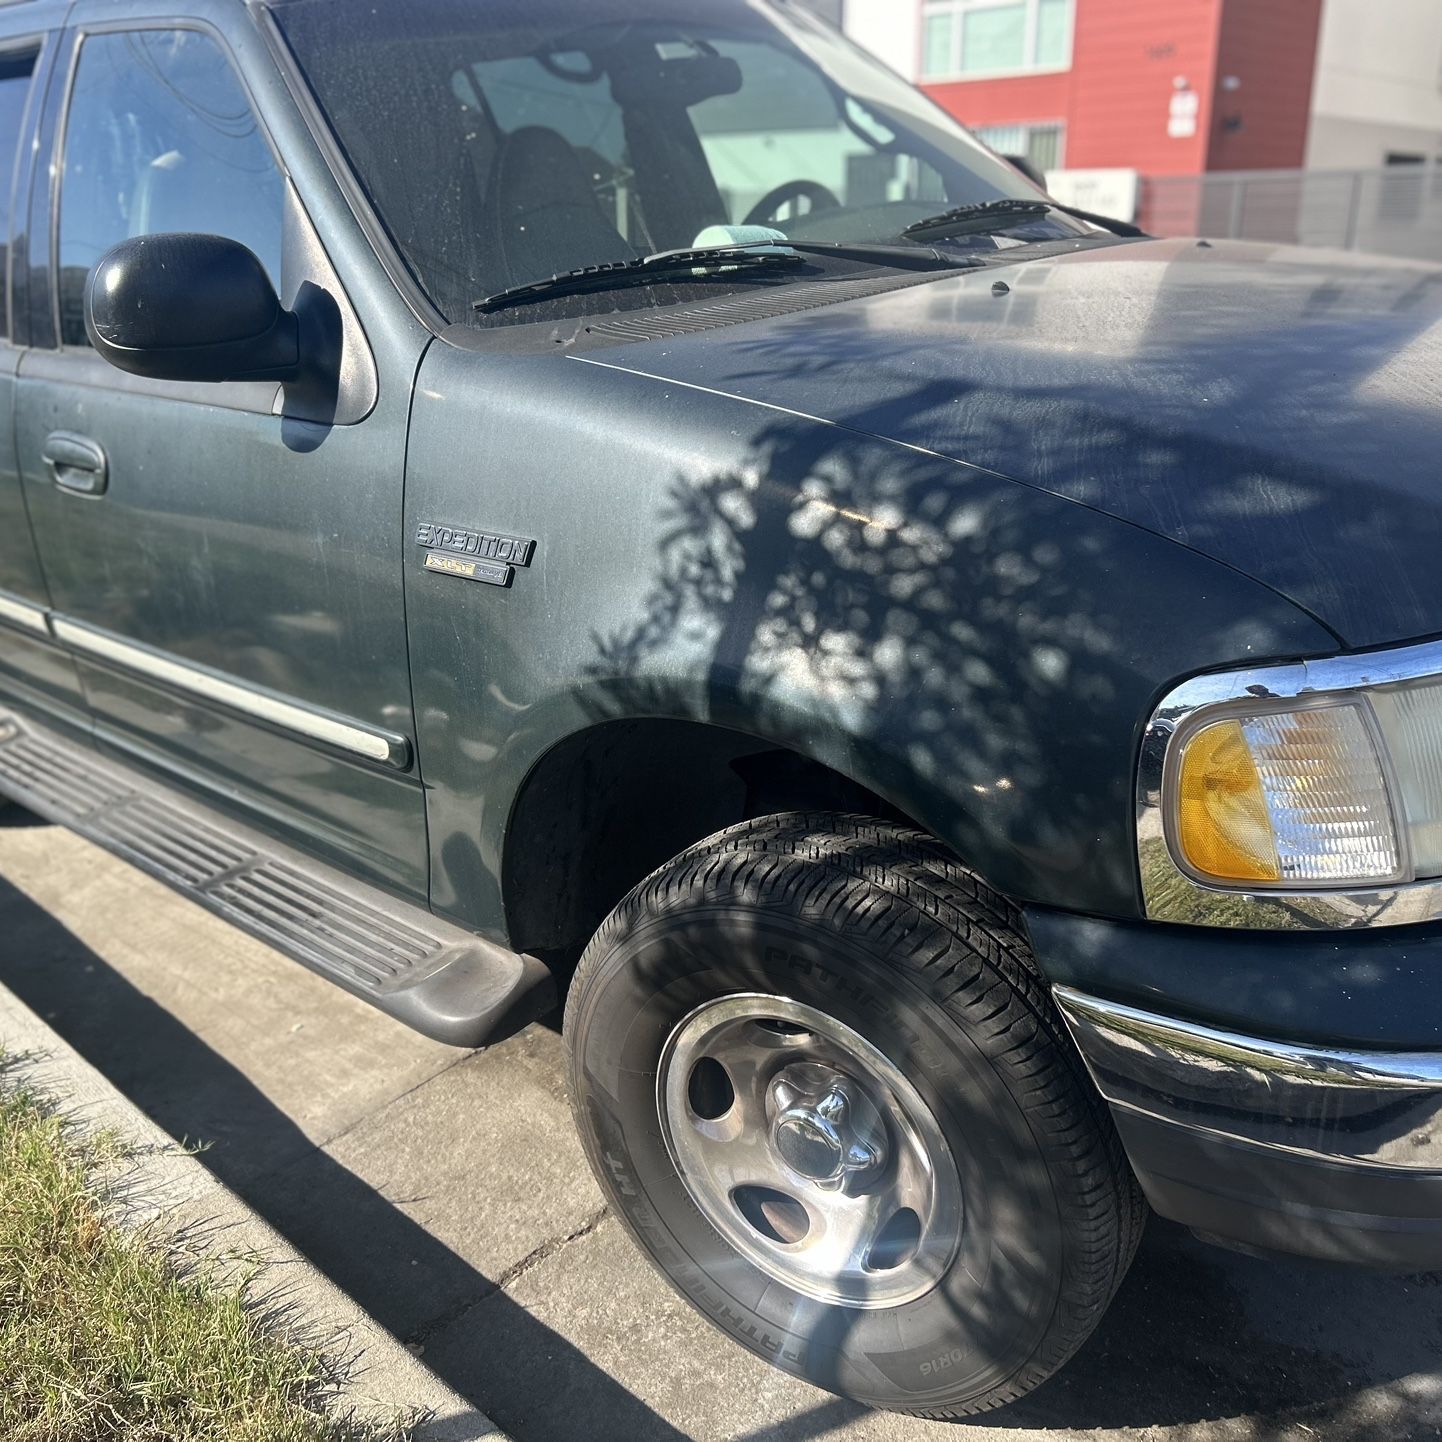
<point>503,142</point>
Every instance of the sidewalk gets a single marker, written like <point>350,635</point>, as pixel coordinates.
<point>173,1186</point>
<point>445,1193</point>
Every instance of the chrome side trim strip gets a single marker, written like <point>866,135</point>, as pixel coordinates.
<point>374,745</point>
<point>1377,1108</point>
<point>1169,893</point>
<point>25,614</point>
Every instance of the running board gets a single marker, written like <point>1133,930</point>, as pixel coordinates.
<point>433,976</point>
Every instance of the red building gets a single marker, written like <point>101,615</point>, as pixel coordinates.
<point>1163,87</point>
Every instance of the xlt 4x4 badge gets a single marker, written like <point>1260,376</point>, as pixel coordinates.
<point>473,555</point>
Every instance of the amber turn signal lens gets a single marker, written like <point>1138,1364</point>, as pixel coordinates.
<point>1288,797</point>
<point>1224,827</point>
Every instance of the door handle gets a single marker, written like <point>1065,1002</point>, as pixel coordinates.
<point>76,463</point>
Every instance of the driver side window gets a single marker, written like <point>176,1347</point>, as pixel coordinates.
<point>160,137</point>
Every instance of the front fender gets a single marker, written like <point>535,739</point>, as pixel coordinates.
<point>978,652</point>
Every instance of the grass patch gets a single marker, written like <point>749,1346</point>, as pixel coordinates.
<point>106,1333</point>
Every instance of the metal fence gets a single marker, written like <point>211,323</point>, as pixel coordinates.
<point>1394,211</point>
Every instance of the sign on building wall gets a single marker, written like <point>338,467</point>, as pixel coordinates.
<point>1182,116</point>
<point>1103,192</point>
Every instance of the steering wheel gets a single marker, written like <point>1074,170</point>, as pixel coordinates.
<point>765,209</point>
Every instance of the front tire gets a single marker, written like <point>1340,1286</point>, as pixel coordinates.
<point>822,1083</point>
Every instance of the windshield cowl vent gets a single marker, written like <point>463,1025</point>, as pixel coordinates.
<point>665,323</point>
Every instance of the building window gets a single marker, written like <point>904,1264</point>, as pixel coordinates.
<point>971,38</point>
<point>1039,143</point>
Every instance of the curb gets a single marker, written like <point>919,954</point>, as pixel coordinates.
<point>170,1184</point>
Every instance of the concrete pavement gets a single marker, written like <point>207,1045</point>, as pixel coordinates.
<point>446,1193</point>
<point>378,1380</point>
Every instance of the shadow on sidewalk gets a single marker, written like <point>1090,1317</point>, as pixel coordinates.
<point>1211,1344</point>
<point>179,1081</point>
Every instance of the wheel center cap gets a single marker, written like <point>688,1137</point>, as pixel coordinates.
<point>808,1146</point>
<point>824,1128</point>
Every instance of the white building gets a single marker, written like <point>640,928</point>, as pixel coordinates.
<point>890,29</point>
<point>1378,94</point>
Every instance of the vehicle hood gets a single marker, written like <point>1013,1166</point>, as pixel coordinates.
<point>1276,409</point>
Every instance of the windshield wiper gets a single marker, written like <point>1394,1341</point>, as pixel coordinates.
<point>647,270</point>
<point>993,216</point>
<point>986,217</point>
<point>766,253</point>
<point>904,257</point>
<point>1106,222</point>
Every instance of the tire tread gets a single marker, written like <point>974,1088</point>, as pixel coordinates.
<point>966,946</point>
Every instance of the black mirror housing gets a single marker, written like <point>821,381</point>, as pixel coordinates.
<point>1032,172</point>
<point>189,308</point>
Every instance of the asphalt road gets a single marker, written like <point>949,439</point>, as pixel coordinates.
<point>445,1191</point>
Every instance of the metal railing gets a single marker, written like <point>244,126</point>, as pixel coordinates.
<point>1392,211</point>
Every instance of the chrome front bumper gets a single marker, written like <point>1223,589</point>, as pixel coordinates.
<point>1319,1151</point>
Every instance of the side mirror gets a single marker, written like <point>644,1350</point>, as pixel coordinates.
<point>1032,172</point>
<point>190,308</point>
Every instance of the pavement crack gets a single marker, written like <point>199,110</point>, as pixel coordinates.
<point>325,1143</point>
<point>453,1314</point>
<point>549,1248</point>
<point>389,1102</point>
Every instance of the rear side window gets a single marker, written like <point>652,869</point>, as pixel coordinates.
<point>160,137</point>
<point>15,73</point>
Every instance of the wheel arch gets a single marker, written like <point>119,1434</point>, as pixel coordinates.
<point>606,805</point>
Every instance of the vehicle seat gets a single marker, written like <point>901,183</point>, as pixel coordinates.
<point>544,211</point>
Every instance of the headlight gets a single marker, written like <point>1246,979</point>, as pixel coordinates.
<point>1410,719</point>
<point>1317,782</point>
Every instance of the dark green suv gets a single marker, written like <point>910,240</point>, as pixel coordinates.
<point>625,498</point>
